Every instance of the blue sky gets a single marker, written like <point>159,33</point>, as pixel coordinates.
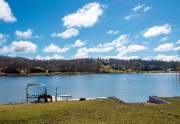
<point>61,29</point>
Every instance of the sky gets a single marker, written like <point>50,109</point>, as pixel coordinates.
<point>61,29</point>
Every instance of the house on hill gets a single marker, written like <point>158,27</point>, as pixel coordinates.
<point>38,70</point>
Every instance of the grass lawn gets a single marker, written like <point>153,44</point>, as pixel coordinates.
<point>91,112</point>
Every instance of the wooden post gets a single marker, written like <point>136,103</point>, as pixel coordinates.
<point>27,95</point>
<point>45,95</point>
<point>56,93</point>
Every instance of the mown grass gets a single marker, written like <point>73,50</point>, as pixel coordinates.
<point>91,112</point>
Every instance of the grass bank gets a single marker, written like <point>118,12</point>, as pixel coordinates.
<point>91,112</point>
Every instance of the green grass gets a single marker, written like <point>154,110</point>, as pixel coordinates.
<point>91,112</point>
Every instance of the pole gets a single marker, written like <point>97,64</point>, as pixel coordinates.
<point>26,95</point>
<point>56,93</point>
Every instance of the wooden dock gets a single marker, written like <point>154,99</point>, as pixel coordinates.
<point>157,100</point>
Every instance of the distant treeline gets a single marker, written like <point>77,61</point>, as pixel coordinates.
<point>20,65</point>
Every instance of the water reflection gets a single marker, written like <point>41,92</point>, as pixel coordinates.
<point>178,79</point>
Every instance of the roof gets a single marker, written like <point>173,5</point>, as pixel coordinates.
<point>35,84</point>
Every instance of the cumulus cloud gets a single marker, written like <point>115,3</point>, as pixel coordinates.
<point>81,53</point>
<point>3,38</point>
<point>67,33</point>
<point>24,34</point>
<point>138,7</point>
<point>54,57</point>
<point>113,32</point>
<point>178,42</point>
<point>99,49</point>
<point>6,14</point>
<point>137,10</point>
<point>157,30</point>
<point>167,58</point>
<point>147,8</point>
<point>102,48</point>
<point>118,42</point>
<point>126,57</point>
<point>84,52</point>
<point>20,46</point>
<point>131,49</point>
<point>162,57</point>
<point>23,46</point>
<point>52,48</point>
<point>78,43</point>
<point>164,47</point>
<point>141,7</point>
<point>136,48</point>
<point>177,48</point>
<point>128,17</point>
<point>121,57</point>
<point>86,16</point>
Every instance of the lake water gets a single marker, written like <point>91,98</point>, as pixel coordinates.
<point>128,87</point>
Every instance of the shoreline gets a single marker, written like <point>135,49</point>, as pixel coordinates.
<point>96,98</point>
<point>85,73</point>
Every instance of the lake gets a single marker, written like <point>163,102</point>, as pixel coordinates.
<point>128,87</point>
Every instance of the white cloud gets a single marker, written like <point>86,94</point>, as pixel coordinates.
<point>137,10</point>
<point>54,57</point>
<point>81,53</point>
<point>141,7</point>
<point>101,48</point>
<point>86,16</point>
<point>113,32</point>
<point>178,42</point>
<point>147,8</point>
<point>121,57</point>
<point>71,32</point>
<point>164,47</point>
<point>20,46</point>
<point>118,42</point>
<point>84,52</point>
<point>6,14</point>
<point>135,48</point>
<point>124,50</point>
<point>23,46</point>
<point>157,30</point>
<point>52,48</point>
<point>128,17</point>
<point>177,48</point>
<point>138,7</point>
<point>127,57</point>
<point>167,58</point>
<point>24,34</point>
<point>131,49</point>
<point>3,38</point>
<point>78,43</point>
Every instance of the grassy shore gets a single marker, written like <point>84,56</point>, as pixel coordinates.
<point>91,112</point>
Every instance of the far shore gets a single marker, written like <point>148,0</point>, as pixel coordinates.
<point>85,73</point>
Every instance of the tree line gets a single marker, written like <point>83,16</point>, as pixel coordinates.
<point>24,65</point>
